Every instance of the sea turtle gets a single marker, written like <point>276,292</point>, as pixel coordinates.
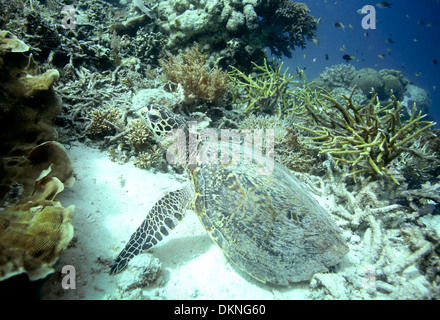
<point>267,224</point>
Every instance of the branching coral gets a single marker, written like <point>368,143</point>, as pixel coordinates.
<point>138,135</point>
<point>198,82</point>
<point>102,121</point>
<point>368,137</point>
<point>146,159</point>
<point>266,90</point>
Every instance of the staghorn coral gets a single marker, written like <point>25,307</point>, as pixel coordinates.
<point>368,137</point>
<point>198,82</point>
<point>267,90</point>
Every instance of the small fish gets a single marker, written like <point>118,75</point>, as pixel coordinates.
<point>434,88</point>
<point>366,34</point>
<point>314,60</point>
<point>318,21</point>
<point>382,56</point>
<point>343,48</point>
<point>315,41</point>
<point>326,56</point>
<point>435,61</point>
<point>418,74</point>
<point>339,24</point>
<point>361,11</point>
<point>416,39</point>
<point>350,26</point>
<point>347,57</point>
<point>384,4</point>
<point>389,40</point>
<point>305,56</point>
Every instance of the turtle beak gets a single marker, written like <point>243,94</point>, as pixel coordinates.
<point>143,112</point>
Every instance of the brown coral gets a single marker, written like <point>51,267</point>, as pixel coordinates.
<point>35,231</point>
<point>149,158</point>
<point>198,82</point>
<point>138,134</point>
<point>103,120</point>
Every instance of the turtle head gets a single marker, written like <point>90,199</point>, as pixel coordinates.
<point>161,120</point>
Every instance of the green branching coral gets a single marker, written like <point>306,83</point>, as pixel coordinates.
<point>267,89</point>
<point>367,137</point>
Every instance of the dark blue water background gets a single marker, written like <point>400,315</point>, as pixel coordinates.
<point>405,21</point>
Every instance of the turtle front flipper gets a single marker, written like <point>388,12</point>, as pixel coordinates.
<point>161,219</point>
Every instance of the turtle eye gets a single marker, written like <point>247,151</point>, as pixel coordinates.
<point>154,118</point>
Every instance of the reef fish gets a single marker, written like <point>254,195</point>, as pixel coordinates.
<point>339,24</point>
<point>384,4</point>
<point>347,57</point>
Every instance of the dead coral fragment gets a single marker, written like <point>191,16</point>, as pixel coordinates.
<point>198,82</point>
<point>103,120</point>
<point>367,137</point>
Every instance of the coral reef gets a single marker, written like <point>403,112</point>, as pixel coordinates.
<point>198,82</point>
<point>378,231</point>
<point>285,25</point>
<point>267,89</point>
<point>415,96</point>
<point>103,121</point>
<point>138,135</point>
<point>368,137</point>
<point>236,32</point>
<point>153,157</point>
<point>336,76</point>
<point>385,83</point>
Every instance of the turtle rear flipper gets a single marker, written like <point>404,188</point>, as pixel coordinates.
<point>161,219</point>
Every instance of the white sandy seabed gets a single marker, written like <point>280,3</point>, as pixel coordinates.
<point>111,201</point>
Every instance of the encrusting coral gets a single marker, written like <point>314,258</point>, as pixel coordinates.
<point>198,82</point>
<point>367,137</point>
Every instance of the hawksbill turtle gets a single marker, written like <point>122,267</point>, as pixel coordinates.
<point>267,224</point>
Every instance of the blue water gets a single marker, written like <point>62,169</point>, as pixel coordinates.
<point>400,23</point>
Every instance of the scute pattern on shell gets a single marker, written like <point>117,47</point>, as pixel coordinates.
<point>266,224</point>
